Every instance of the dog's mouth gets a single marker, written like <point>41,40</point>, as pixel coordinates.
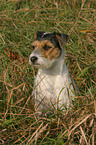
<point>36,65</point>
<point>40,66</point>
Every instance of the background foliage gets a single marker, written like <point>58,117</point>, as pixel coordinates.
<point>19,20</point>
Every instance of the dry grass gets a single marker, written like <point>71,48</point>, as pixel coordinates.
<point>19,21</point>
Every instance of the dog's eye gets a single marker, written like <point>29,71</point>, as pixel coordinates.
<point>46,47</point>
<point>33,47</point>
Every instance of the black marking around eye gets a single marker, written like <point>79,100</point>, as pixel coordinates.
<point>46,47</point>
<point>33,47</point>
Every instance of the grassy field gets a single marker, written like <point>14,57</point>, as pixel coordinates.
<point>19,20</point>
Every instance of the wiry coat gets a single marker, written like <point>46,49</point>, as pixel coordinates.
<point>52,86</point>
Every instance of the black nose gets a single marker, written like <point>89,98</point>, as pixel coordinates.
<point>33,59</point>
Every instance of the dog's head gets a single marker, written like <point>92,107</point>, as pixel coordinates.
<point>47,47</point>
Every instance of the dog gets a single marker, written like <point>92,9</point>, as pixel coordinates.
<point>53,87</point>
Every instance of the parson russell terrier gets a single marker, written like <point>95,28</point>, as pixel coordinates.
<point>52,86</point>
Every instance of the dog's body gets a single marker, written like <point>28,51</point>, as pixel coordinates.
<point>53,86</point>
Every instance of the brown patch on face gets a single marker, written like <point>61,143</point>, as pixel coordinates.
<point>51,53</point>
<point>36,43</point>
<point>46,42</point>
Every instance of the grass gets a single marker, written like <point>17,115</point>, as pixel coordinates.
<point>19,20</point>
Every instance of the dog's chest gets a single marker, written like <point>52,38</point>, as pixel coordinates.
<point>49,87</point>
<point>49,83</point>
<point>45,84</point>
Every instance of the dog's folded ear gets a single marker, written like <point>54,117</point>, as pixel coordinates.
<point>38,34</point>
<point>62,39</point>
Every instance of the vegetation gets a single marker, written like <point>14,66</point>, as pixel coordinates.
<point>19,20</point>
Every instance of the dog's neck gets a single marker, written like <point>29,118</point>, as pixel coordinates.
<point>58,68</point>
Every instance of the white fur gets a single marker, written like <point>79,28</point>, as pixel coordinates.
<point>52,83</point>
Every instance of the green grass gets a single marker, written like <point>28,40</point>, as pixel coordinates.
<point>19,20</point>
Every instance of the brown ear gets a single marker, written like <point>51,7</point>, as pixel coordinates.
<point>38,34</point>
<point>62,39</point>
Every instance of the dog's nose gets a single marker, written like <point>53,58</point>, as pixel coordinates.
<point>33,59</point>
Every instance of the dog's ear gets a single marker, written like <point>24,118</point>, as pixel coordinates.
<point>62,39</point>
<point>38,34</point>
